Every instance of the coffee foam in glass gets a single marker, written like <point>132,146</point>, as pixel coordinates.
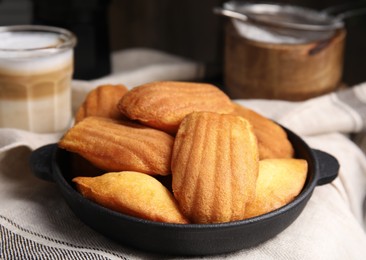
<point>36,65</point>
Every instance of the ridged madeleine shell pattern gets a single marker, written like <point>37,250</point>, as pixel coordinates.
<point>120,145</point>
<point>214,167</point>
<point>102,101</point>
<point>163,105</point>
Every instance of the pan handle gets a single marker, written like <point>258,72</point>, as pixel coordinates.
<point>327,167</point>
<point>41,162</point>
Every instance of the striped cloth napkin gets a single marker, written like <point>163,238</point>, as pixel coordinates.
<point>36,223</point>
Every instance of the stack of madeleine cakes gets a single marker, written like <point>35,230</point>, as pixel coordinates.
<point>181,152</point>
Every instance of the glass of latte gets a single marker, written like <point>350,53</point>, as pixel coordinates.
<point>36,67</point>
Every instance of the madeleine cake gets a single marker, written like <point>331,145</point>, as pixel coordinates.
<point>163,105</point>
<point>279,182</point>
<point>272,139</point>
<point>214,167</point>
<point>102,101</point>
<point>114,145</point>
<point>133,193</point>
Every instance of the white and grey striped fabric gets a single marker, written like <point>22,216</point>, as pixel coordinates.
<point>16,246</point>
<point>36,223</point>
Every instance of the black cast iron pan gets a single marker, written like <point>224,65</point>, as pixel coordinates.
<point>52,163</point>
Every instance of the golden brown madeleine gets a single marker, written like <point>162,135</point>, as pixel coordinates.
<point>272,139</point>
<point>279,182</point>
<point>102,101</point>
<point>132,193</point>
<point>163,105</point>
<point>114,145</point>
<point>214,167</point>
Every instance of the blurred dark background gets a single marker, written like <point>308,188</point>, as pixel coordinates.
<point>185,28</point>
